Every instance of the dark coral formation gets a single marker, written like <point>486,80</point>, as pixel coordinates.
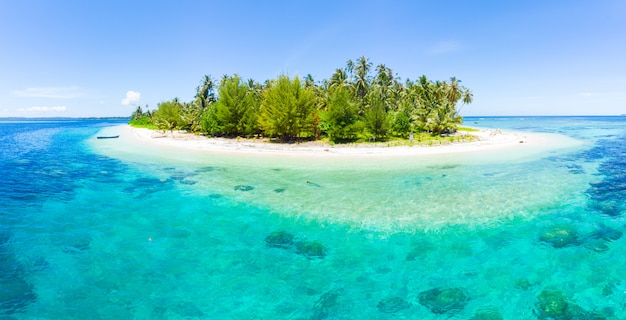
<point>145,187</point>
<point>560,236</point>
<point>279,239</point>
<point>552,305</point>
<point>283,240</point>
<point>327,304</point>
<point>311,249</point>
<point>607,233</point>
<point>444,300</point>
<point>606,196</point>
<point>15,292</point>
<point>419,249</point>
<point>244,188</point>
<point>487,314</point>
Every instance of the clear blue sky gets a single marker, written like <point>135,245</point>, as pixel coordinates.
<point>536,57</point>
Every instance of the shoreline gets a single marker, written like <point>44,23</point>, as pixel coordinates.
<point>485,139</point>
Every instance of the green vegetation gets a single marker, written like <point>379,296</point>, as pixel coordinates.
<point>355,104</point>
<point>142,119</point>
<point>468,129</point>
<point>287,109</point>
<point>237,109</point>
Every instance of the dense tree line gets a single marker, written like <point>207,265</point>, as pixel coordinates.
<point>356,102</point>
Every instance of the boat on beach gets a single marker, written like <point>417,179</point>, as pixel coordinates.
<point>108,137</point>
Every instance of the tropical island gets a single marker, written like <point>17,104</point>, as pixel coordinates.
<point>356,104</point>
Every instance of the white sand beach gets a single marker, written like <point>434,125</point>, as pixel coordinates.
<point>483,140</point>
<point>488,146</point>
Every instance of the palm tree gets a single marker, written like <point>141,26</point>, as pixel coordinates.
<point>308,81</point>
<point>467,98</point>
<point>389,87</point>
<point>384,75</point>
<point>138,113</point>
<point>206,91</point>
<point>350,67</point>
<point>339,78</point>
<point>454,90</point>
<point>362,81</point>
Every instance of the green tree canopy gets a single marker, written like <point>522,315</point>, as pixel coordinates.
<point>376,119</point>
<point>237,108</point>
<point>287,108</point>
<point>293,108</point>
<point>168,115</point>
<point>340,120</point>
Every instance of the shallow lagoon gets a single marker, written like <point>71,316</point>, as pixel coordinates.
<point>104,230</point>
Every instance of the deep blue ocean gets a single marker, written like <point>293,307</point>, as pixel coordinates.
<point>91,231</point>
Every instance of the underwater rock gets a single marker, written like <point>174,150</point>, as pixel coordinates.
<point>244,188</point>
<point>608,207</point>
<point>487,314</point>
<point>311,249</point>
<point>440,301</point>
<point>279,239</point>
<point>608,289</point>
<point>597,246</point>
<point>326,304</point>
<point>419,249</point>
<point>280,190</point>
<point>560,237</point>
<point>15,293</point>
<point>522,283</point>
<point>575,169</point>
<point>607,233</point>
<point>144,187</point>
<point>392,305</point>
<point>188,182</point>
<point>215,196</point>
<point>552,305</point>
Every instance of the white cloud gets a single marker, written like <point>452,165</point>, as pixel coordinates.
<point>444,47</point>
<point>132,98</point>
<point>44,109</point>
<point>50,92</point>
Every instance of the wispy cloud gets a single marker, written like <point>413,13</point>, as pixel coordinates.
<point>50,92</point>
<point>44,109</point>
<point>444,47</point>
<point>132,98</point>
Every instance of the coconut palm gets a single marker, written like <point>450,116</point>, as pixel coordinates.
<point>206,91</point>
<point>454,90</point>
<point>138,114</point>
<point>339,78</point>
<point>361,81</point>
<point>467,98</point>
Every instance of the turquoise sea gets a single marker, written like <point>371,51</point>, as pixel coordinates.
<point>112,229</point>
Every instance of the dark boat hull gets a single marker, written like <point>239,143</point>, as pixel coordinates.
<point>108,137</point>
